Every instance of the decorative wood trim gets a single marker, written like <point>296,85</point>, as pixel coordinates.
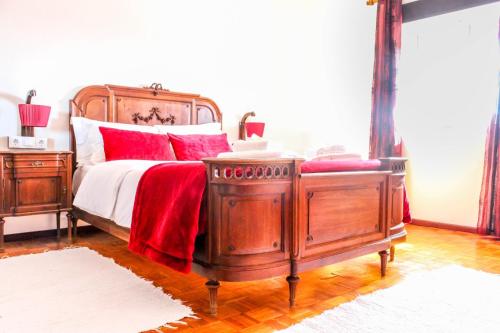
<point>440,225</point>
<point>224,170</point>
<point>154,112</point>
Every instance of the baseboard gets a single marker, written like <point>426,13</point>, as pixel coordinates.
<point>23,236</point>
<point>439,225</point>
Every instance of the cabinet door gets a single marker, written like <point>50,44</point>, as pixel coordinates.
<point>43,192</point>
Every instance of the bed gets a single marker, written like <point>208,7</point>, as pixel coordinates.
<point>311,214</point>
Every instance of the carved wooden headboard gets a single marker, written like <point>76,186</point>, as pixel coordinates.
<point>143,106</point>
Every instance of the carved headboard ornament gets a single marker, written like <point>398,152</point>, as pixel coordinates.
<point>154,112</point>
<point>156,87</point>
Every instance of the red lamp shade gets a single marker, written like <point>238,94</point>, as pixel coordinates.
<point>255,128</point>
<point>34,115</point>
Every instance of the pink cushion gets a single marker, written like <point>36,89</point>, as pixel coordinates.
<point>197,146</point>
<point>132,145</point>
<point>339,165</point>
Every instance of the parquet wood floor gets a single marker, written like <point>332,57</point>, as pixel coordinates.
<point>262,306</point>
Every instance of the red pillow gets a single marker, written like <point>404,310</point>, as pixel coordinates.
<point>132,145</point>
<point>197,146</point>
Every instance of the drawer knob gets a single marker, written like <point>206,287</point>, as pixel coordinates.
<point>310,238</point>
<point>275,244</point>
<point>231,248</point>
<point>37,164</point>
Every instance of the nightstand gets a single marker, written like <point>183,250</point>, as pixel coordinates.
<point>35,182</point>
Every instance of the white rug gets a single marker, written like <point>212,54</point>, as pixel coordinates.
<point>449,299</point>
<point>78,290</point>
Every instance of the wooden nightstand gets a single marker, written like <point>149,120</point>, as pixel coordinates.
<point>35,182</point>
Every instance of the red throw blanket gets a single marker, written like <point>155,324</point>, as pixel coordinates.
<point>166,217</point>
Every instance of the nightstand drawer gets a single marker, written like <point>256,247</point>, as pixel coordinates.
<point>36,163</point>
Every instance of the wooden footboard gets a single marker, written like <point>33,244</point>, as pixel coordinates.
<point>267,219</point>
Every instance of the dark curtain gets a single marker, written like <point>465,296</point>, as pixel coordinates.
<point>387,46</point>
<point>489,202</point>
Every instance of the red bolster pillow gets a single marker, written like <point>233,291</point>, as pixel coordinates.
<point>194,147</point>
<point>339,165</point>
<point>132,145</point>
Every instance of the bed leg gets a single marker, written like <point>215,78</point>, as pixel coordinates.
<point>392,253</point>
<point>383,262</point>
<point>70,227</point>
<point>213,286</point>
<point>292,280</point>
<point>72,221</point>
<point>2,222</point>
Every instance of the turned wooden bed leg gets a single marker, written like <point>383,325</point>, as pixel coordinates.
<point>292,280</point>
<point>2,222</point>
<point>383,262</point>
<point>72,221</point>
<point>392,253</point>
<point>213,286</point>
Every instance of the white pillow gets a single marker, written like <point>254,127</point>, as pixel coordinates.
<point>209,128</point>
<point>88,138</point>
<point>242,145</point>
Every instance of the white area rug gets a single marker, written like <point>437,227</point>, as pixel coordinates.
<point>449,299</point>
<point>78,290</point>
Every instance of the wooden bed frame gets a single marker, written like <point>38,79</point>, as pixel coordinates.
<point>265,218</point>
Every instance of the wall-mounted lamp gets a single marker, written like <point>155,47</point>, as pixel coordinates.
<point>371,2</point>
<point>247,129</point>
<point>32,115</point>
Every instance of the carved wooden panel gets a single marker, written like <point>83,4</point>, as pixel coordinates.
<point>397,200</point>
<point>97,109</point>
<point>240,223</point>
<point>150,112</point>
<point>250,215</point>
<point>342,212</point>
<point>205,115</point>
<point>38,191</point>
<point>339,211</point>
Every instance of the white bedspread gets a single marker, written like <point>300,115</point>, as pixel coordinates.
<point>108,189</point>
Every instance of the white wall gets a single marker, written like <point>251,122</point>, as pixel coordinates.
<point>305,66</point>
<point>447,93</point>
